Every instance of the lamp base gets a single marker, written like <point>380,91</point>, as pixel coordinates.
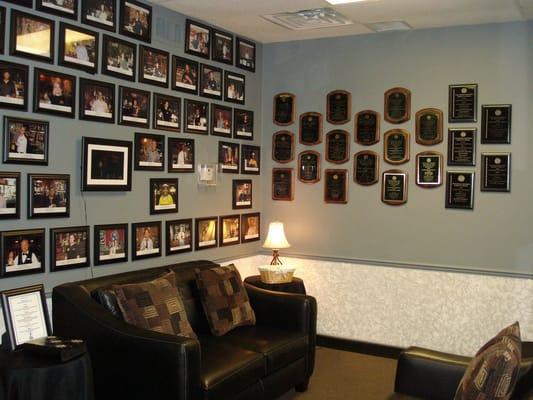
<point>275,258</point>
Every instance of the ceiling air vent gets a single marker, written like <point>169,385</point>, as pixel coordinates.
<point>309,19</point>
<point>389,26</point>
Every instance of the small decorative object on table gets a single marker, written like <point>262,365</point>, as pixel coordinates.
<point>55,348</point>
<point>276,272</point>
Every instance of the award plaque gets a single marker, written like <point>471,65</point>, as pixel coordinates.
<point>339,107</point>
<point>397,105</point>
<point>429,169</point>
<point>496,124</point>
<point>366,168</point>
<point>367,127</point>
<point>396,148</point>
<point>284,108</point>
<point>311,128</point>
<point>309,167</point>
<point>462,147</point>
<point>282,184</point>
<point>337,146</point>
<point>394,187</point>
<point>462,103</point>
<point>460,190</point>
<point>496,172</point>
<point>335,187</point>
<point>283,147</point>
<point>429,126</point>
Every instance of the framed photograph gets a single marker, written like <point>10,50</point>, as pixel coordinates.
<point>222,47</point>
<point>250,227</point>
<point>210,82</point>
<point>250,160</point>
<point>283,184</point>
<point>149,152</point>
<point>146,240</point>
<point>118,58</point>
<point>110,244</point>
<point>32,36</point>
<point>336,186</point>
<point>245,54</point>
<point>367,130</point>
<point>25,314</point>
<point>167,113</point>
<point>63,8</point>
<point>462,103</point>
<point>462,147</point>
<point>228,157</point>
<point>394,184</point>
<point>244,124</point>
<point>496,172</point>
<point>25,141</point>
<point>339,107</point>
<point>197,37</point>
<point>221,120</point>
<point>106,165</point>
<point>179,236</point>
<point>397,105</point>
<point>460,190</point>
<point>309,166</point>
<point>337,146</point>
<point>97,101</point>
<point>234,87</point>
<point>396,147</point>
<point>136,20</point>
<point>48,196</point>
<point>134,107</point>
<point>284,109</point>
<point>24,3</point>
<point>3,29</point>
<point>196,117</point>
<point>23,252</point>
<point>429,126</point>
<point>366,168</point>
<point>78,48</point>
<point>153,66</point>
<point>496,124</point>
<point>185,75</point>
<point>163,196</point>
<point>242,194</point>
<point>180,155</point>
<point>54,93</point>
<point>14,86</point>
<point>99,13</point>
<point>311,128</point>
<point>283,147</point>
<point>69,248</point>
<point>206,233</point>
<point>230,232</point>
<point>9,195</point>
<point>429,169</point>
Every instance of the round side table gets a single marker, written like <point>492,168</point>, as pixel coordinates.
<point>296,286</point>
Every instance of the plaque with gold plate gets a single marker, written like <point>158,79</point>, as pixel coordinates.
<point>462,103</point>
<point>496,172</point>
<point>397,105</point>
<point>284,108</point>
<point>394,187</point>
<point>428,126</point>
<point>339,106</point>
<point>396,146</point>
<point>429,169</point>
<point>460,190</point>
<point>496,124</point>
<point>367,127</point>
<point>311,128</point>
<point>282,184</point>
<point>336,186</point>
<point>462,147</point>
<point>366,168</point>
<point>283,147</point>
<point>337,146</point>
<point>309,166</point>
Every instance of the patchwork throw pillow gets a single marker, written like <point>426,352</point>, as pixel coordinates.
<point>493,372</point>
<point>155,305</point>
<point>224,298</point>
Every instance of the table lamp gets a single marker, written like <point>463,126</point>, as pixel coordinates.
<point>276,240</point>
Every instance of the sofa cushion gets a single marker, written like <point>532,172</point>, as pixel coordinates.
<point>154,305</point>
<point>224,299</point>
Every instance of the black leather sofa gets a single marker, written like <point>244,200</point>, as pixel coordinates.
<point>255,362</point>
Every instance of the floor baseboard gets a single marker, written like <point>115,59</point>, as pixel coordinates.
<point>356,346</point>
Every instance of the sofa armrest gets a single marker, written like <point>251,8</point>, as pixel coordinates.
<point>124,357</point>
<point>429,374</point>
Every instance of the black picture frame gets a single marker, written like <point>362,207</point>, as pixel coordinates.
<point>228,157</point>
<point>234,87</point>
<point>211,82</point>
<point>462,103</point>
<point>185,75</point>
<point>19,49</point>
<point>157,196</point>
<point>243,124</point>
<point>250,159</point>
<point>149,60</point>
<point>97,101</point>
<point>98,151</point>
<point>283,184</point>
<point>109,246</point>
<point>149,152</point>
<point>13,263</point>
<point>119,52</point>
<point>462,145</point>
<point>49,7</point>
<point>221,120</point>
<point>34,150</point>
<point>166,118</point>
<point>73,254</point>
<point>496,172</point>
<point>242,194</point>
<point>134,107</point>
<point>222,46</point>
<point>2,29</point>
<point>394,187</point>
<point>136,28</point>
<point>49,99</point>
<point>10,195</point>
<point>23,3</point>
<point>184,163</point>
<point>93,14</point>
<point>19,75</point>
<point>40,204</point>
<point>7,310</point>
<point>179,236</point>
<point>197,39</point>
<point>429,167</point>
<point>460,189</point>
<point>242,58</point>
<point>82,54</point>
<point>196,117</point>
<point>336,186</point>
<point>229,224</point>
<point>496,123</point>
<point>206,233</point>
<point>146,247</point>
<point>250,232</point>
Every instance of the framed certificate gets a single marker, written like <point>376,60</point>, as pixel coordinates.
<point>309,166</point>
<point>366,168</point>
<point>367,127</point>
<point>282,184</point>
<point>496,124</point>
<point>429,169</point>
<point>462,103</point>
<point>337,146</point>
<point>283,147</point>
<point>336,186</point>
<point>396,149</point>
<point>311,128</point>
<point>339,105</point>
<point>394,187</point>
<point>496,172</point>
<point>460,190</point>
<point>462,147</point>
<point>284,109</point>
<point>397,105</point>
<point>429,126</point>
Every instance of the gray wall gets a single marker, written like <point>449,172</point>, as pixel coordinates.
<point>498,234</point>
<point>114,207</point>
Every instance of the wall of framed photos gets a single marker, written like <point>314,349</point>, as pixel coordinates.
<point>494,236</point>
<point>226,95</point>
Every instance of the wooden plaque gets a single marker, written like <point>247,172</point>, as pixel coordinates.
<point>428,126</point>
<point>284,108</point>
<point>282,184</point>
<point>496,172</point>
<point>283,147</point>
<point>462,103</point>
<point>336,186</point>
<point>337,146</point>
<point>429,169</point>
<point>367,127</point>
<point>460,189</point>
<point>462,147</point>
<point>394,187</point>
<point>496,124</point>
<point>366,168</point>
<point>309,166</point>
<point>396,146</point>
<point>397,105</point>
<point>339,106</point>
<point>311,128</point>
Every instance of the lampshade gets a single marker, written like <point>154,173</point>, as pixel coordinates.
<point>276,237</point>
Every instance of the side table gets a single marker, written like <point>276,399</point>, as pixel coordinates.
<point>296,286</point>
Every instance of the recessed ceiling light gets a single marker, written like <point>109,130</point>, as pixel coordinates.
<point>344,1</point>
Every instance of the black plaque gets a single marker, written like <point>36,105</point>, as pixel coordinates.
<point>282,184</point>
<point>309,167</point>
<point>335,187</point>
<point>496,172</point>
<point>337,146</point>
<point>367,127</point>
<point>429,169</point>
<point>311,128</point>
<point>429,126</point>
<point>394,187</point>
<point>462,147</point>
<point>396,149</point>
<point>366,168</point>
<point>496,124</point>
<point>284,108</point>
<point>462,101</point>
<point>283,147</point>
<point>460,190</point>
<point>397,105</point>
<point>339,107</point>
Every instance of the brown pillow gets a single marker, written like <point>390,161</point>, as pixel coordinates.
<point>224,298</point>
<point>493,372</point>
<point>155,305</point>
